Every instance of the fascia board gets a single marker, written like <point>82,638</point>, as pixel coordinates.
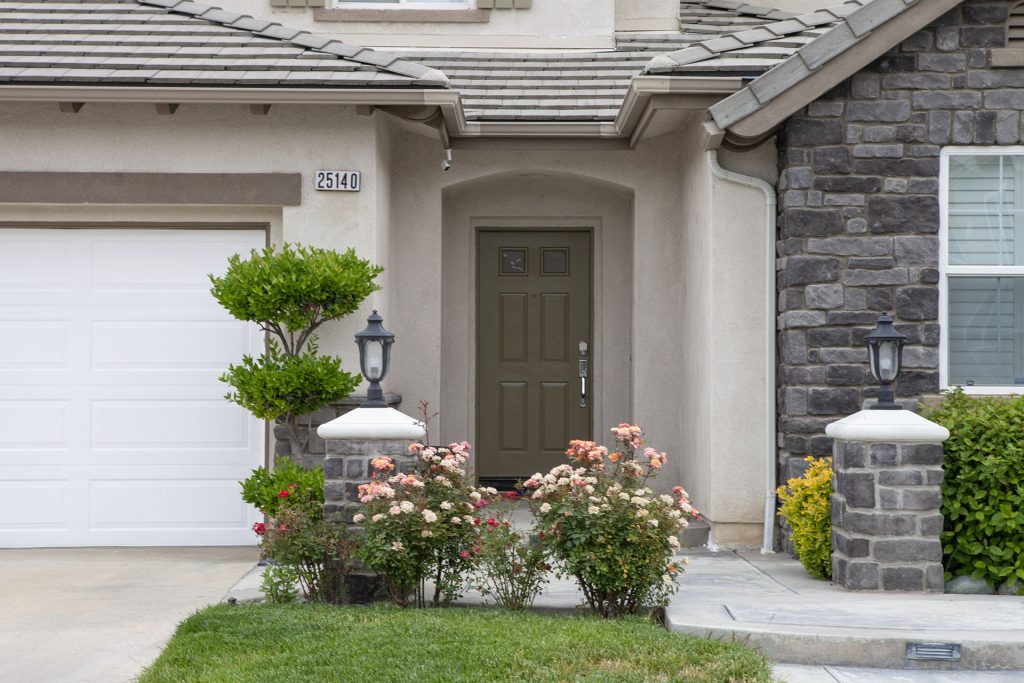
<point>878,42</point>
<point>178,95</point>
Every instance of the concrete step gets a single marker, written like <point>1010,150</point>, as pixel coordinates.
<point>796,673</point>
<point>767,602</point>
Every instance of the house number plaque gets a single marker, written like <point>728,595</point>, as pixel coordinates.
<point>338,181</point>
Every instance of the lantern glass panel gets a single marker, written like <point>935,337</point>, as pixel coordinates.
<point>888,360</point>
<point>374,360</point>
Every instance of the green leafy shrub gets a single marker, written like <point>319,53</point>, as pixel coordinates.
<point>290,293</point>
<point>280,584</point>
<point>606,527</point>
<point>317,549</point>
<point>806,504</point>
<point>296,536</point>
<point>983,489</point>
<point>268,490</point>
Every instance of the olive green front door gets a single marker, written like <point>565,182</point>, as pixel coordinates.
<point>533,348</point>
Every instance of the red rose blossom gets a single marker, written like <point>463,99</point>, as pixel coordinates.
<point>259,528</point>
<point>284,493</point>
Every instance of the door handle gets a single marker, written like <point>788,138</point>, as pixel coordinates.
<point>583,374</point>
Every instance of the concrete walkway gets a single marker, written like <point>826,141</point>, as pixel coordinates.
<point>819,632</point>
<point>102,614</point>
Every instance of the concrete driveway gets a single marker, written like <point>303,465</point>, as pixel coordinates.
<point>102,614</point>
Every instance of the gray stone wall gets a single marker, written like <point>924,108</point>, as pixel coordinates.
<point>859,215</point>
<point>886,522</point>
<point>347,465</point>
<point>313,455</point>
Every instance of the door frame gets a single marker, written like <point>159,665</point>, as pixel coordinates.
<point>536,226</point>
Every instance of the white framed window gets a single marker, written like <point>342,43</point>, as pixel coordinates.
<point>405,4</point>
<point>981,265</point>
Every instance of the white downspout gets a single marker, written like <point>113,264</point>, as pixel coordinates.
<point>770,202</point>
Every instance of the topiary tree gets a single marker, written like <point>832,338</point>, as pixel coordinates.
<point>290,293</point>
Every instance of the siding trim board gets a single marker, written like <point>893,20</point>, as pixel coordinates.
<point>234,189</point>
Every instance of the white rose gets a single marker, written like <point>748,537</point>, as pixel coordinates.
<point>456,520</point>
<point>474,496</point>
<point>641,512</point>
<point>430,516</point>
<point>623,496</point>
<point>445,505</point>
<point>377,517</point>
<point>426,533</point>
<point>593,510</point>
<point>359,518</point>
<point>653,522</point>
<point>545,508</point>
<point>673,541</point>
<point>667,500</point>
<point>407,506</point>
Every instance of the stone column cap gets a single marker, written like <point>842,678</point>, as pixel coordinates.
<point>890,426</point>
<point>373,423</point>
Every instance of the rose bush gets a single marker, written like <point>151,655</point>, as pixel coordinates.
<point>511,567</point>
<point>296,536</point>
<point>419,525</point>
<point>607,528</point>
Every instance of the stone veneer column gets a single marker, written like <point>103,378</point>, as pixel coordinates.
<point>316,447</point>
<point>886,520</point>
<point>354,439</point>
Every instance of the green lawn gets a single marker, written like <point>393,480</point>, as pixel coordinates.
<point>381,643</point>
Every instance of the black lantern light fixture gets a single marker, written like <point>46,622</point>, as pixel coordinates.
<point>885,357</point>
<point>374,358</point>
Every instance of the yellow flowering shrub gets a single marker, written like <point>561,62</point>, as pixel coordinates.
<point>805,503</point>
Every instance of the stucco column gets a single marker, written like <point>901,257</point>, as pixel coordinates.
<point>886,501</point>
<point>354,439</point>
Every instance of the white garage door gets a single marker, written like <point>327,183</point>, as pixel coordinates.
<point>113,425</point>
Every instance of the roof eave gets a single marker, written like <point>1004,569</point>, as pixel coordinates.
<point>226,95</point>
<point>761,118</point>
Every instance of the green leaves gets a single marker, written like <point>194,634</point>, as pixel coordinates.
<point>274,386</point>
<point>263,488</point>
<point>295,288</point>
<point>983,499</point>
<point>806,504</point>
<point>291,292</point>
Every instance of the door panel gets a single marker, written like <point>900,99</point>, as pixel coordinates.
<point>533,310</point>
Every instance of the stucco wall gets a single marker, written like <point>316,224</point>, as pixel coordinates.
<point>669,273</point>
<point>207,139</point>
<point>724,308</point>
<point>548,23</point>
<point>699,399</point>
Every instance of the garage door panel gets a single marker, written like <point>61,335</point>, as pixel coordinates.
<point>113,425</point>
<point>35,344</point>
<point>39,503</point>
<point>179,263</point>
<point>33,424</point>
<point>35,263</point>
<point>167,345</point>
<point>171,503</point>
<point>211,425</point>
